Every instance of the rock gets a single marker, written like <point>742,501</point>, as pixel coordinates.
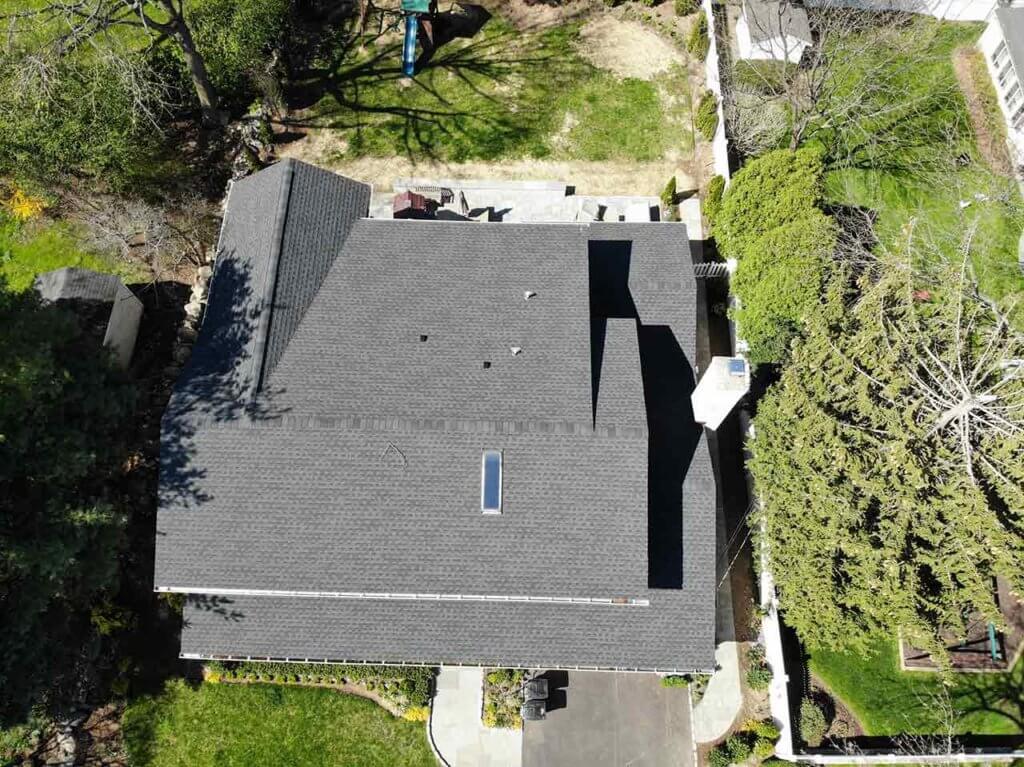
<point>182,353</point>
<point>193,309</point>
<point>205,272</point>
<point>172,371</point>
<point>187,334</point>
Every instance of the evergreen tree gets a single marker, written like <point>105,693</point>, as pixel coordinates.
<point>889,462</point>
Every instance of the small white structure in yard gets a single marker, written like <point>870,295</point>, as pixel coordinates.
<point>723,384</point>
<point>1002,43</point>
<point>772,31</point>
<point>105,307</point>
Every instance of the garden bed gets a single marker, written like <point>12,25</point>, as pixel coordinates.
<point>402,690</point>
<point>503,695</point>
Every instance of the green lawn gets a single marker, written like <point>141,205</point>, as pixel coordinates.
<point>907,170</point>
<point>888,701</point>
<point>29,249</point>
<point>503,93</point>
<point>249,725</point>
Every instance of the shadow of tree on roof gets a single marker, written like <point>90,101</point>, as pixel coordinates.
<point>211,603</point>
<point>220,384</point>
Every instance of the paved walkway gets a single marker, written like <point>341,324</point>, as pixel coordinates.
<point>458,736</point>
<point>723,699</point>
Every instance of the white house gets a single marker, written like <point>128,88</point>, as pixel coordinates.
<point>1003,45</point>
<point>769,30</point>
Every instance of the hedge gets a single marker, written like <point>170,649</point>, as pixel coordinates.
<point>706,118</point>
<point>410,684</point>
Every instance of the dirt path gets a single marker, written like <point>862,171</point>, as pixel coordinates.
<point>589,177</point>
<point>990,136</point>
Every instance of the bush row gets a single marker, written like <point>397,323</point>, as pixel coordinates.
<point>405,685</point>
<point>757,739</point>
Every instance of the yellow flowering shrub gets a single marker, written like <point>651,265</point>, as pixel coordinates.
<point>417,713</point>
<point>24,206</point>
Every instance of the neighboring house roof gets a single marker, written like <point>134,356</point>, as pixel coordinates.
<point>771,20</point>
<point>1011,22</point>
<point>107,310</point>
<point>321,502</point>
<point>73,283</point>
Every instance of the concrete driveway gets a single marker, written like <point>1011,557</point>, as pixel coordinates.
<point>604,719</point>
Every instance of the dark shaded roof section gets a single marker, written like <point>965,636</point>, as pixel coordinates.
<point>1011,22</point>
<point>283,228</point>
<point>768,20</point>
<point>322,209</point>
<point>73,283</point>
<point>674,633</point>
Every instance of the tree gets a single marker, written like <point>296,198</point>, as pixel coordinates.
<point>62,417</point>
<point>779,283</point>
<point>842,89</point>
<point>888,460</point>
<point>783,244</point>
<point>773,190</point>
<point>47,33</point>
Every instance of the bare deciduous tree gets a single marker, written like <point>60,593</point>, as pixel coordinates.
<point>842,87</point>
<point>162,237</point>
<point>44,34</point>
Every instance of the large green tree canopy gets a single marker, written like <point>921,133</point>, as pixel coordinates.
<point>783,243</point>
<point>890,462</point>
<point>63,410</point>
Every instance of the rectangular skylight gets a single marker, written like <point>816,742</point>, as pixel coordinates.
<point>490,482</point>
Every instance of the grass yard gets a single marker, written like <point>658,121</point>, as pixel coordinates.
<point>503,94</point>
<point>888,701</point>
<point>911,169</point>
<point>249,725</point>
<point>34,247</point>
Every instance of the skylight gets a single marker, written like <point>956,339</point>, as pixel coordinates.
<point>490,482</point>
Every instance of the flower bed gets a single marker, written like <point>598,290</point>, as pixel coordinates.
<point>406,689</point>
<point>503,694</point>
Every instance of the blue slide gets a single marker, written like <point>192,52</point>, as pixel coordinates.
<point>412,24</point>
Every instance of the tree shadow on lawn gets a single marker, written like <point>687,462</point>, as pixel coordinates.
<point>366,96</point>
<point>999,694</point>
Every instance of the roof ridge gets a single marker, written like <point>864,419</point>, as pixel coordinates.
<point>270,280</point>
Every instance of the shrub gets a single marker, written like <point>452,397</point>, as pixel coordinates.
<point>774,189</point>
<point>417,713</point>
<point>648,3</point>
<point>697,43</point>
<point>684,7</point>
<point>738,748</point>
<point>706,118</point>
<point>779,282</point>
<point>763,728</point>
<point>764,747</point>
<point>719,757</point>
<point>759,676</point>
<point>813,725</point>
<point>668,194</point>
<point>713,199</point>
<point>675,681</point>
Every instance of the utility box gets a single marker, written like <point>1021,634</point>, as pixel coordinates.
<point>723,384</point>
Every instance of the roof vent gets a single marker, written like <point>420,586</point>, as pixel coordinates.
<point>516,350</point>
<point>423,338</point>
<point>528,294</point>
<point>487,364</point>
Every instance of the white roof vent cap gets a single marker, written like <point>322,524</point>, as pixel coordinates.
<point>516,350</point>
<point>528,294</point>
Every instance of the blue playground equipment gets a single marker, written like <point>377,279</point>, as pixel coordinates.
<point>412,10</point>
<point>412,26</point>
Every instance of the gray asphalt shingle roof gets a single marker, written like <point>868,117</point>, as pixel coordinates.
<point>354,465</point>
